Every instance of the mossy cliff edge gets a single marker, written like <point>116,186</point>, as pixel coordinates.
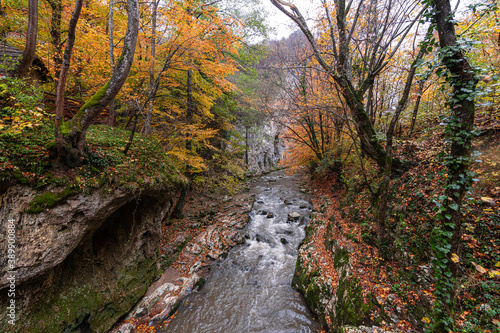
<point>326,282</point>
<point>84,263</point>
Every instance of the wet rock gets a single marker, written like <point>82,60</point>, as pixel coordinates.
<point>288,202</point>
<point>262,212</point>
<point>303,206</point>
<point>170,303</point>
<point>196,267</point>
<point>270,215</point>
<point>260,201</point>
<point>147,302</point>
<point>293,217</point>
<point>283,241</point>
<point>194,248</point>
<point>126,328</point>
<point>303,190</point>
<point>140,312</point>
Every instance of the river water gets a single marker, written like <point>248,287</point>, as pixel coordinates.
<point>250,291</point>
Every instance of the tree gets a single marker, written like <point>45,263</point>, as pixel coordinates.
<point>354,54</point>
<point>71,141</point>
<point>31,36</point>
<point>447,234</point>
<point>61,84</point>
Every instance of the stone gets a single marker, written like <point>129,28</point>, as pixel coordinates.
<point>303,190</point>
<point>194,248</point>
<point>287,202</point>
<point>126,328</point>
<point>489,201</point>
<point>98,229</point>
<point>293,216</point>
<point>270,215</point>
<point>140,312</point>
<point>147,303</point>
<point>283,241</point>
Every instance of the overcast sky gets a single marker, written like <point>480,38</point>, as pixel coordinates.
<point>284,26</point>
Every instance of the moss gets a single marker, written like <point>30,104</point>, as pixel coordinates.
<point>64,128</point>
<point>49,199</point>
<point>200,283</point>
<point>93,101</point>
<point>340,258</point>
<point>43,201</point>
<point>95,304</point>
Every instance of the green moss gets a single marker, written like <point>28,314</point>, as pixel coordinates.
<point>43,201</point>
<point>95,100</point>
<point>341,258</point>
<point>64,128</point>
<point>95,303</point>
<point>49,199</point>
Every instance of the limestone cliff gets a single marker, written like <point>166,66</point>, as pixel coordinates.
<point>83,263</point>
<point>265,147</point>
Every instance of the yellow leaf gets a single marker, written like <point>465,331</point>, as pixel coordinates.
<point>426,320</point>
<point>497,264</point>
<point>479,268</point>
<point>494,273</point>
<point>455,258</point>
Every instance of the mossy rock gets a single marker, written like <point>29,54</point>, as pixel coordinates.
<point>349,307</point>
<point>94,305</point>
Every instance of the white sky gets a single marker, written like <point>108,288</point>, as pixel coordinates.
<point>284,26</point>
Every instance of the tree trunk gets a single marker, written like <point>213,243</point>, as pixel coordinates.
<point>149,114</point>
<point>61,85</point>
<point>55,33</point>
<point>71,145</point>
<point>177,212</point>
<point>179,207</point>
<point>111,44</point>
<point>31,35</point>
<point>415,109</point>
<point>459,180</point>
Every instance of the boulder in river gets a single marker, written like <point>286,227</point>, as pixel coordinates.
<point>293,217</point>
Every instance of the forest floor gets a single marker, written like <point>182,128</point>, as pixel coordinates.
<point>401,279</point>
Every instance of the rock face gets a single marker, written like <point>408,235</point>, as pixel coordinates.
<point>84,263</point>
<point>265,147</point>
<point>335,297</point>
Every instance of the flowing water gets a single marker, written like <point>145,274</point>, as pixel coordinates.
<point>250,291</point>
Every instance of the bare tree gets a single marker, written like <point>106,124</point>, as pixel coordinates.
<point>356,53</point>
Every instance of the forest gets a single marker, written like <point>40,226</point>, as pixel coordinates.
<point>389,108</point>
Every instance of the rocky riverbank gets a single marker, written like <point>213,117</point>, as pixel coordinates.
<point>190,246</point>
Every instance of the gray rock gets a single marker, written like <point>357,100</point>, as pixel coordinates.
<point>87,232</point>
<point>126,328</point>
<point>293,216</point>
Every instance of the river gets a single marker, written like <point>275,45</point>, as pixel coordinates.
<point>250,291</point>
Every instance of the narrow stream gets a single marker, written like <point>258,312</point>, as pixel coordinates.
<point>250,291</point>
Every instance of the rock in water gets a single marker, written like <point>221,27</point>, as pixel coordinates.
<point>292,217</point>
